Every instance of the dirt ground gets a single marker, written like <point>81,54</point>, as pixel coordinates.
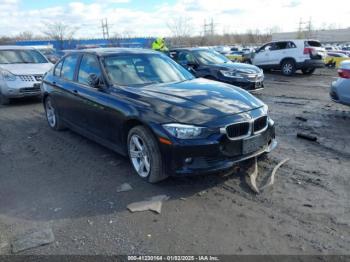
<point>63,181</point>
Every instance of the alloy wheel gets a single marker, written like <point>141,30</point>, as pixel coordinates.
<point>50,113</point>
<point>139,156</point>
<point>287,68</point>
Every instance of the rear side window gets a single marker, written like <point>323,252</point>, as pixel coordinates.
<point>58,68</point>
<point>313,43</point>
<point>89,65</point>
<point>68,68</point>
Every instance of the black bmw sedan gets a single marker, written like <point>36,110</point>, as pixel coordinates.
<point>143,105</point>
<point>207,63</point>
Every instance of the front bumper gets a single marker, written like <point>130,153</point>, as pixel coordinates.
<point>215,154</point>
<point>247,84</point>
<point>18,88</point>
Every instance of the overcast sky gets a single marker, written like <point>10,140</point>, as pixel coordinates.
<point>150,17</point>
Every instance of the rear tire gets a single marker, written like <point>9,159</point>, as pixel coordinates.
<point>308,71</point>
<point>52,117</point>
<point>144,155</point>
<point>288,67</point>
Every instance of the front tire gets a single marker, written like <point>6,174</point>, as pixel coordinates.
<point>308,71</point>
<point>4,100</point>
<point>288,67</point>
<point>52,117</point>
<point>144,154</point>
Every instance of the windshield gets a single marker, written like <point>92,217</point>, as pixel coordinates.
<point>210,58</point>
<point>21,57</point>
<point>143,69</point>
<point>47,51</point>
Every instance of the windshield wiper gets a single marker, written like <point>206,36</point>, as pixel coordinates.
<point>146,83</point>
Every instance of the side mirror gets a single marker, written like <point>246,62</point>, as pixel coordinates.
<point>94,81</point>
<point>192,64</point>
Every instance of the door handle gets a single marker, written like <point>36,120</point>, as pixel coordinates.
<point>75,92</point>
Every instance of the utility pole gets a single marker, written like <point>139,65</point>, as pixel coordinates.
<point>105,31</point>
<point>209,28</point>
<point>305,29</point>
<point>309,28</point>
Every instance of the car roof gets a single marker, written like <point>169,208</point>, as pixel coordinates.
<point>15,47</point>
<point>189,49</point>
<point>113,50</point>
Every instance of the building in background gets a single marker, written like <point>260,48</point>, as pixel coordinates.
<point>324,36</point>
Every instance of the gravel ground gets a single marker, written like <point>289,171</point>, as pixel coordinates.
<point>62,181</point>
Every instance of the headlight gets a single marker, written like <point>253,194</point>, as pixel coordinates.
<point>7,76</point>
<point>266,108</point>
<point>233,74</point>
<point>184,131</point>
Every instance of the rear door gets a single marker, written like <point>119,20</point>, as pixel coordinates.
<point>64,96</point>
<point>282,50</point>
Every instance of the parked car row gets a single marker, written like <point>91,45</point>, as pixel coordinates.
<point>212,65</point>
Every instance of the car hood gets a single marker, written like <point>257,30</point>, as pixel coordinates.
<point>27,69</point>
<point>197,101</point>
<point>245,68</point>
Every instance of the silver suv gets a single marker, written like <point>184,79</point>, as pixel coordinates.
<point>21,72</point>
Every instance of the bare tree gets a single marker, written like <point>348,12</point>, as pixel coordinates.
<point>26,35</point>
<point>60,31</point>
<point>181,29</point>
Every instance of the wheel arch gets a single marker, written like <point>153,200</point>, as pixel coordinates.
<point>131,123</point>
<point>288,58</point>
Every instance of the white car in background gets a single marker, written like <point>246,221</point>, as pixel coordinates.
<point>21,72</point>
<point>290,55</point>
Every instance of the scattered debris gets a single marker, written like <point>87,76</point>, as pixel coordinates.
<point>124,188</point>
<point>301,118</point>
<point>308,205</point>
<point>3,247</point>
<point>90,222</point>
<point>252,177</point>
<point>57,209</point>
<point>33,131</point>
<point>32,240</point>
<point>202,193</point>
<point>307,137</point>
<point>183,198</point>
<point>149,235</point>
<point>271,180</point>
<point>290,103</point>
<point>153,204</point>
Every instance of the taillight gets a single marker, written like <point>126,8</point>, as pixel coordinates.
<point>344,73</point>
<point>309,51</point>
